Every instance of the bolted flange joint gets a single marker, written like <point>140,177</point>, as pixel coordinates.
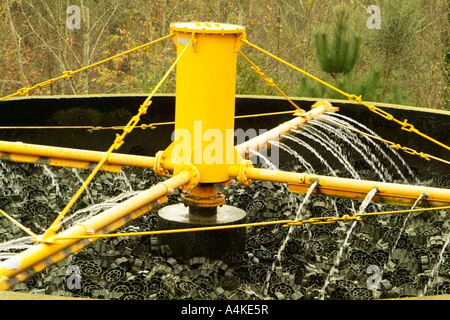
<point>193,172</point>
<point>242,177</point>
<point>204,195</point>
<point>158,167</point>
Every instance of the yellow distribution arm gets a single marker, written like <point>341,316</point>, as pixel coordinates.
<point>394,193</point>
<point>68,157</point>
<point>263,141</point>
<point>44,254</point>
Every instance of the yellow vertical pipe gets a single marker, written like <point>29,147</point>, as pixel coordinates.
<point>205,97</point>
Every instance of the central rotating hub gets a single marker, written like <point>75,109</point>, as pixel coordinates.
<point>204,138</point>
<point>202,207</point>
<point>203,201</point>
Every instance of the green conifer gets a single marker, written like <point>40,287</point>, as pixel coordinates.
<point>339,54</point>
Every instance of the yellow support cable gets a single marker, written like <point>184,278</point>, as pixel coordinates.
<point>142,126</point>
<point>353,98</point>
<point>116,145</point>
<point>69,74</point>
<point>284,223</point>
<point>393,145</point>
<point>270,82</point>
<point>17,223</point>
<point>265,114</point>
<point>401,211</point>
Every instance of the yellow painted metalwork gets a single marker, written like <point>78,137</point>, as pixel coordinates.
<point>57,162</point>
<point>242,172</point>
<point>193,172</point>
<point>263,140</point>
<point>394,193</point>
<point>205,101</point>
<point>252,173</point>
<point>69,157</point>
<point>110,219</point>
<point>205,98</point>
<point>353,98</point>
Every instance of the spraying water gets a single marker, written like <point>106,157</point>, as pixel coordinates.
<point>288,236</point>
<point>400,233</point>
<point>335,150</point>
<point>75,171</point>
<point>361,149</point>
<point>339,117</point>
<point>334,268</point>
<point>422,195</point>
<point>125,180</point>
<point>264,158</point>
<point>14,244</point>
<point>85,213</point>
<point>314,151</point>
<point>55,184</point>
<point>435,270</point>
<point>294,153</point>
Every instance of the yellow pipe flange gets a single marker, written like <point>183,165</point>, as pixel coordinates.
<point>193,173</point>
<point>242,177</point>
<point>158,167</point>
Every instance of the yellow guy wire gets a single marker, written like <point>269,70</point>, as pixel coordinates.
<point>393,145</point>
<point>353,98</point>
<point>270,82</point>
<point>142,126</point>
<point>402,211</point>
<point>276,113</point>
<point>116,145</point>
<point>17,223</point>
<point>284,223</point>
<point>69,74</point>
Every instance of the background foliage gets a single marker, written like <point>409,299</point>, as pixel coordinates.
<point>406,61</point>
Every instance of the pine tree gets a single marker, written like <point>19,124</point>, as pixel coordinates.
<point>339,54</point>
